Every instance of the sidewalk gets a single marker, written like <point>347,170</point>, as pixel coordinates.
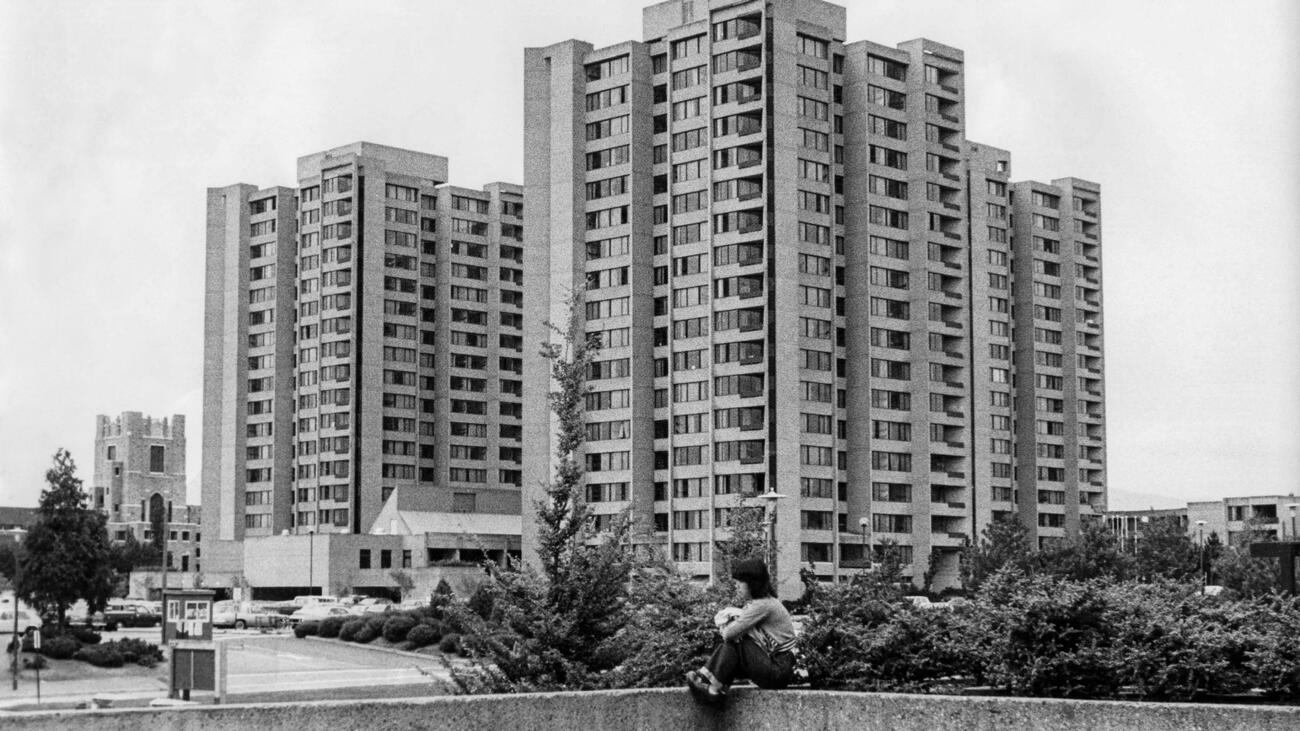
<point>59,694</point>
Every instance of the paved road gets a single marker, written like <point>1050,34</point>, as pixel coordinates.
<point>270,663</point>
<point>263,664</point>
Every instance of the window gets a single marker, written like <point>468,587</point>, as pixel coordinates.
<point>886,127</point>
<point>607,218</point>
<point>609,67</point>
<point>607,98</point>
<point>892,461</point>
<point>816,456</point>
<point>157,458</point>
<point>887,157</point>
<point>816,171</point>
<point>887,187</point>
<point>607,187</point>
<point>814,47</point>
<point>813,109</point>
<point>886,97</point>
<point>607,128</point>
<point>688,108</point>
<point>607,158</point>
<point>687,46</point>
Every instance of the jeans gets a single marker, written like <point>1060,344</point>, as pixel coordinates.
<point>744,658</point>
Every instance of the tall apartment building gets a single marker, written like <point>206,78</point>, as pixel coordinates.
<point>363,349</point>
<point>804,278</point>
<point>139,483</point>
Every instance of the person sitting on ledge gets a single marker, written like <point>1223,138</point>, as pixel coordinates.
<point>757,639</point>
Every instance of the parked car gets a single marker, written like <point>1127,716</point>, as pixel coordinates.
<point>79,614</point>
<point>242,615</point>
<point>149,611</point>
<point>317,612</point>
<point>373,605</point>
<point>28,620</point>
<point>130,614</point>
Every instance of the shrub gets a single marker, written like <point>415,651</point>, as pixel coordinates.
<point>366,632</point>
<point>397,628</point>
<point>306,629</point>
<point>450,643</point>
<point>330,626</point>
<point>1275,663</point>
<point>423,635</point>
<point>35,663</point>
<point>138,651</point>
<point>482,600</point>
<point>376,622</point>
<point>60,648</point>
<point>85,635</point>
<point>348,631</point>
<point>104,656</point>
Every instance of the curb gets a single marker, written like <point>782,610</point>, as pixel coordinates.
<point>373,648</point>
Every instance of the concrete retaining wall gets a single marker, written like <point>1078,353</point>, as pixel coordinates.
<point>673,709</point>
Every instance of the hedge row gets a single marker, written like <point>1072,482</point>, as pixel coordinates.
<point>416,628</point>
<point>1039,636</point>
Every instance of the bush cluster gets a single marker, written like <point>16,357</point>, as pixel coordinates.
<point>330,626</point>
<point>398,627</point>
<point>308,628</point>
<point>1048,636</point>
<point>60,648</point>
<point>104,656</point>
<point>423,635</point>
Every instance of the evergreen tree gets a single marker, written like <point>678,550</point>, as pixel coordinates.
<point>1004,542</point>
<point>1165,550</point>
<point>1093,554</point>
<point>562,516</point>
<point>67,551</point>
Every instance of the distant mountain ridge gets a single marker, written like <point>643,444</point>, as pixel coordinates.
<point>1126,500</point>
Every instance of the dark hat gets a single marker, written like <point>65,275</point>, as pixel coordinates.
<point>750,569</point>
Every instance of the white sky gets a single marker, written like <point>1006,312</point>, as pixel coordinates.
<point>116,116</point>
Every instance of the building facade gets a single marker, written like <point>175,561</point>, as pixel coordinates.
<point>1236,521</point>
<point>139,483</point>
<point>364,343</point>
<point>807,284</point>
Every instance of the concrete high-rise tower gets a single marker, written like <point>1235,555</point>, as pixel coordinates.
<point>363,349</point>
<point>804,277</point>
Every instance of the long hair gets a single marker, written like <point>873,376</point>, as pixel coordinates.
<point>753,574</point>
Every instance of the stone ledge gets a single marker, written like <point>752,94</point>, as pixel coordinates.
<point>671,708</point>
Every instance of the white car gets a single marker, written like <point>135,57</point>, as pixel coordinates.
<point>243,615</point>
<point>27,620</point>
<point>317,612</point>
<point>373,605</point>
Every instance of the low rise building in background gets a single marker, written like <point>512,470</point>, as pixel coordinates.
<point>1235,520</point>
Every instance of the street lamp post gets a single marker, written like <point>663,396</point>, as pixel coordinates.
<point>865,524</point>
<point>311,561</point>
<point>1200,531</point>
<point>769,524</point>
<point>18,573</point>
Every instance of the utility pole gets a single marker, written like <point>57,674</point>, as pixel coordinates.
<point>162,592</point>
<point>16,644</point>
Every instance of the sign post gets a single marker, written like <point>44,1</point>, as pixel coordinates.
<point>36,645</point>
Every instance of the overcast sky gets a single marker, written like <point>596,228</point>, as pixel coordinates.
<point>116,116</point>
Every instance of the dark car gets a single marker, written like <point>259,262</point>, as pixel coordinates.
<point>126,614</point>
